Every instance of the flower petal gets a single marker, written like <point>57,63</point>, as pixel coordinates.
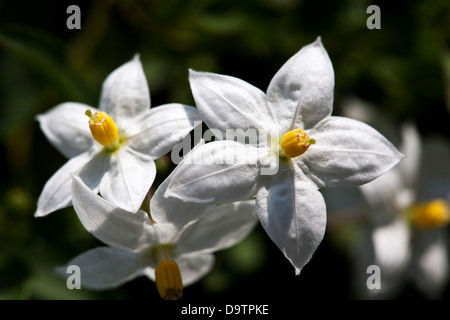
<point>229,103</point>
<point>383,245</point>
<point>387,195</point>
<point>434,174</point>
<point>128,179</point>
<point>294,216</point>
<point>391,247</point>
<point>106,268</point>
<point>160,128</point>
<point>116,227</point>
<point>57,191</point>
<point>172,210</point>
<point>302,90</point>
<point>430,264</point>
<point>220,227</point>
<point>412,147</point>
<point>125,92</point>
<point>93,171</point>
<point>193,267</point>
<point>217,172</point>
<point>67,128</point>
<point>347,153</point>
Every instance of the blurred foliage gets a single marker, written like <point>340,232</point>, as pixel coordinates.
<point>402,69</point>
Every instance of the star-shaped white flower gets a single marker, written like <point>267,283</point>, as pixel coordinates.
<point>112,148</point>
<point>312,149</point>
<point>410,208</point>
<point>175,239</point>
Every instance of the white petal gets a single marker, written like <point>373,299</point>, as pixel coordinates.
<point>294,216</point>
<point>160,128</point>
<point>172,210</point>
<point>67,128</point>
<point>105,268</point>
<point>434,173</point>
<point>57,191</point>
<point>220,227</point>
<point>217,172</point>
<point>431,264</point>
<point>229,103</point>
<point>391,248</point>
<point>387,195</point>
<point>301,92</point>
<point>125,92</point>
<point>384,245</point>
<point>129,178</point>
<point>347,153</point>
<point>412,148</point>
<point>93,171</point>
<point>193,267</point>
<point>110,224</point>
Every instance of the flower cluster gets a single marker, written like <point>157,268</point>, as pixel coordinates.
<point>286,146</point>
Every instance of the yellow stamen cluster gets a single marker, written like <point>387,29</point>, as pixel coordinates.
<point>435,213</point>
<point>168,280</point>
<point>295,143</point>
<point>103,128</point>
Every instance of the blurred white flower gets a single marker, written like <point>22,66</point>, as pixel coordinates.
<point>410,241</point>
<point>405,234</point>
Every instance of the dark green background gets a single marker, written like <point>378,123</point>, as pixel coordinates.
<point>402,69</point>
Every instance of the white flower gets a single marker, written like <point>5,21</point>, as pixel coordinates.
<point>175,238</point>
<point>316,150</point>
<point>410,209</point>
<point>398,220</point>
<point>115,157</point>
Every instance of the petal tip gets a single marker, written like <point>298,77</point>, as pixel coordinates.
<point>137,57</point>
<point>173,192</point>
<point>76,178</point>
<point>38,117</point>
<point>193,73</point>
<point>318,42</point>
<point>39,213</point>
<point>170,193</point>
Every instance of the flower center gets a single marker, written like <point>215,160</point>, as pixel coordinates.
<point>103,129</point>
<point>435,213</point>
<point>295,143</point>
<point>168,280</point>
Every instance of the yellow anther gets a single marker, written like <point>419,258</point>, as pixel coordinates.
<point>435,213</point>
<point>168,280</point>
<point>295,143</point>
<point>103,128</point>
